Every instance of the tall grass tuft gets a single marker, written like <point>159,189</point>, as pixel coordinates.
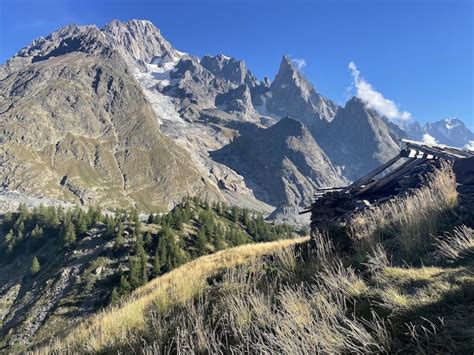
<point>456,245</point>
<point>405,225</point>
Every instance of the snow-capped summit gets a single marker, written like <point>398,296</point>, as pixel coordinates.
<point>450,131</point>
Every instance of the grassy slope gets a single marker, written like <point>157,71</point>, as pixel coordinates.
<point>59,302</point>
<point>115,325</point>
<point>395,288</point>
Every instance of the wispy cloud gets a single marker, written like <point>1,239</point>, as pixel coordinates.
<point>300,63</point>
<point>429,139</point>
<point>470,146</point>
<point>375,99</point>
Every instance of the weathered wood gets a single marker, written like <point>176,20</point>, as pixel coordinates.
<point>336,205</point>
<point>402,167</point>
<point>373,173</point>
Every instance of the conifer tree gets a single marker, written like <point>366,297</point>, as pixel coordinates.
<point>35,266</point>
<point>68,233</point>
<point>156,264</point>
<point>201,242</point>
<point>114,297</point>
<point>124,285</point>
<point>119,239</point>
<point>151,219</point>
<point>135,273</point>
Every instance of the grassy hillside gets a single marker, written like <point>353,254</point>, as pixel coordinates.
<point>59,266</point>
<point>399,278</point>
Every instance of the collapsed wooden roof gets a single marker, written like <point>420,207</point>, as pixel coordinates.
<point>404,172</point>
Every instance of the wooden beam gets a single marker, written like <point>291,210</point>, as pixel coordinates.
<point>406,164</point>
<point>365,179</point>
<point>448,153</point>
<point>396,174</point>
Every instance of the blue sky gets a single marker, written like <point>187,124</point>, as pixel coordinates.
<point>417,53</point>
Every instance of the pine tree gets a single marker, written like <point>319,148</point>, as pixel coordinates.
<point>235,213</point>
<point>156,264</point>
<point>151,219</point>
<point>201,242</point>
<point>81,223</point>
<point>35,266</point>
<point>119,239</point>
<point>157,219</point>
<point>114,297</point>
<point>135,274</point>
<point>124,286</point>
<point>37,233</point>
<point>218,240</point>
<point>69,234</point>
<point>110,225</point>
<point>245,217</point>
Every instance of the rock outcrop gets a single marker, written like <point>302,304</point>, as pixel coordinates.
<point>282,163</point>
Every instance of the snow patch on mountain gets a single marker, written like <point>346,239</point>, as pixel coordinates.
<point>153,81</point>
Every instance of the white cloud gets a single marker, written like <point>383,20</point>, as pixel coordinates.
<point>470,146</point>
<point>300,63</point>
<point>375,99</point>
<point>429,139</point>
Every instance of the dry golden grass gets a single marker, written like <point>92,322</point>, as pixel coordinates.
<point>456,245</point>
<point>114,326</point>
<point>408,222</point>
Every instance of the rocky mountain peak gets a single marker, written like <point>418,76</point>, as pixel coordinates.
<point>140,40</point>
<point>68,39</point>
<point>291,94</point>
<point>237,100</point>
<point>359,139</point>
<point>229,69</point>
<point>290,77</point>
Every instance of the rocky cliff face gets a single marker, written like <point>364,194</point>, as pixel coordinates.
<point>282,163</point>
<point>359,139</point>
<point>119,116</point>
<point>77,126</point>
<point>292,95</point>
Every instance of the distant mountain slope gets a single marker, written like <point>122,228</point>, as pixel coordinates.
<point>119,116</point>
<point>282,163</point>
<point>76,125</point>
<point>449,131</point>
<point>359,139</point>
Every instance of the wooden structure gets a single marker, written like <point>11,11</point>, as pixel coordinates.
<point>397,177</point>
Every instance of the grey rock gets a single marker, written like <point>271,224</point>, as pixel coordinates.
<point>291,94</point>
<point>281,164</point>
<point>359,139</point>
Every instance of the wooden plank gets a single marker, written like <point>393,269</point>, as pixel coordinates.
<point>384,182</point>
<point>365,179</point>
<point>401,168</point>
<point>449,153</point>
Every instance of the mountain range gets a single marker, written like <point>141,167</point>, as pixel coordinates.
<point>118,117</point>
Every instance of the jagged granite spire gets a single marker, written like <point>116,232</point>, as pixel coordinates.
<point>292,94</point>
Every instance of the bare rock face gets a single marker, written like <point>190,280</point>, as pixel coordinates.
<point>76,126</point>
<point>140,40</point>
<point>120,117</point>
<point>281,164</point>
<point>359,139</point>
<point>229,69</point>
<point>236,100</point>
<point>292,95</point>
